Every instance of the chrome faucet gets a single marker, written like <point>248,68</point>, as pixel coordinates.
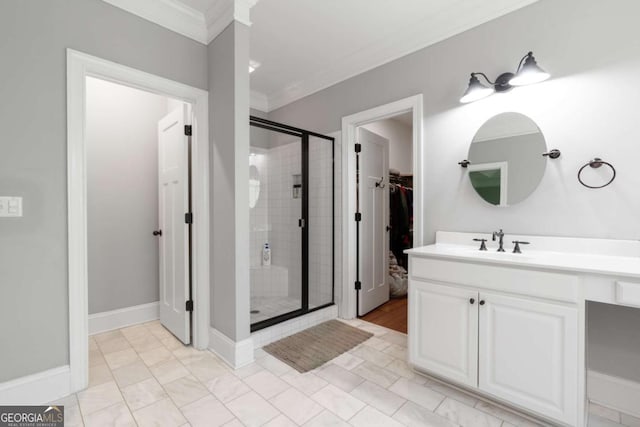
<point>499,234</point>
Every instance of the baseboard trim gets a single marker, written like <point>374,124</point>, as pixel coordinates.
<point>116,319</point>
<point>37,389</point>
<point>613,392</point>
<point>235,354</point>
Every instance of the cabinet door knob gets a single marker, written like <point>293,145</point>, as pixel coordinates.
<point>481,302</point>
<point>157,233</point>
<point>472,301</point>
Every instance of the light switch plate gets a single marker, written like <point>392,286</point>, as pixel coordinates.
<point>10,206</point>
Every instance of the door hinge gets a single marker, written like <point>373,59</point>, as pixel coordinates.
<point>358,147</point>
<point>358,216</point>
<point>188,130</point>
<point>358,285</point>
<point>301,223</point>
<point>188,218</point>
<point>189,305</point>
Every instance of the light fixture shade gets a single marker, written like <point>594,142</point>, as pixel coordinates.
<point>475,91</point>
<point>530,73</point>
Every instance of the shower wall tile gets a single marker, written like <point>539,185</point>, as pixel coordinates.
<point>275,220</point>
<point>285,161</point>
<point>320,222</point>
<point>259,215</point>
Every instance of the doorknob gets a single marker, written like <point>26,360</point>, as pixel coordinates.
<point>157,233</point>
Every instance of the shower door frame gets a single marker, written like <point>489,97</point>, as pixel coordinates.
<point>304,136</point>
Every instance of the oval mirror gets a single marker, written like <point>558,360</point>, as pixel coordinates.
<point>254,186</point>
<point>505,159</point>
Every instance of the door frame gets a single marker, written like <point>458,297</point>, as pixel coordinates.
<point>413,104</point>
<point>80,66</point>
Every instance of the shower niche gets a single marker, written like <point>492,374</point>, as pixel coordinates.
<point>292,219</point>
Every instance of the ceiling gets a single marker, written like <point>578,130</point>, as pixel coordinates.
<point>304,46</point>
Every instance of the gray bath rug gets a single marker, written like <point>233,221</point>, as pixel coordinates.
<point>315,346</point>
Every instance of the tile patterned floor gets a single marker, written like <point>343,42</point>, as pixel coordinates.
<point>143,376</point>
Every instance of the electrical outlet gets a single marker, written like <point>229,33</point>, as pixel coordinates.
<point>10,206</point>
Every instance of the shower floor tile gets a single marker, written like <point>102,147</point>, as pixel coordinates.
<point>269,307</point>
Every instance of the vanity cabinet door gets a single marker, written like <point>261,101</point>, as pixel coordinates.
<point>443,331</point>
<point>528,354</point>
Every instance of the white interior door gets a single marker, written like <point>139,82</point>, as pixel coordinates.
<point>173,173</point>
<point>374,206</point>
<point>529,354</point>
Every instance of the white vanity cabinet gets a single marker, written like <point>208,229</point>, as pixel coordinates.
<point>511,327</point>
<point>528,354</point>
<point>509,333</point>
<point>443,322</point>
<point>518,349</point>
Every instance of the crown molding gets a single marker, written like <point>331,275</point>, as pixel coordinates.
<point>171,14</point>
<point>259,101</point>
<point>412,38</point>
<point>224,12</point>
<point>182,19</point>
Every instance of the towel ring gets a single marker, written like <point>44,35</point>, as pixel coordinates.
<point>595,164</point>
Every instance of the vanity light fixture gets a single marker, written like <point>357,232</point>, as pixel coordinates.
<point>528,72</point>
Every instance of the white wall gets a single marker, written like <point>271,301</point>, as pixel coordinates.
<point>400,136</point>
<point>122,194</point>
<point>589,108</point>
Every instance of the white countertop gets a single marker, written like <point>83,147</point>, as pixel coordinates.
<point>613,264</point>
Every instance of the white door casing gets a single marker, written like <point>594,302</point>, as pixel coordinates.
<point>444,323</point>
<point>528,354</point>
<point>350,124</point>
<point>79,66</point>
<point>374,206</point>
<point>173,198</point>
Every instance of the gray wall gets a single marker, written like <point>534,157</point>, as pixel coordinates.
<point>614,340</point>
<point>400,136</point>
<point>259,137</point>
<point>34,36</point>
<point>583,66</point>
<point>589,108</point>
<point>228,57</point>
<point>122,194</point>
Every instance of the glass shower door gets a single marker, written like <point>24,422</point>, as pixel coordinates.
<point>275,171</point>
<point>320,224</point>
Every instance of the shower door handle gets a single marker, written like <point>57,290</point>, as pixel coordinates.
<point>301,223</point>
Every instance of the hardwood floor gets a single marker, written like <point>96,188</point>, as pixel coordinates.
<point>392,315</point>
